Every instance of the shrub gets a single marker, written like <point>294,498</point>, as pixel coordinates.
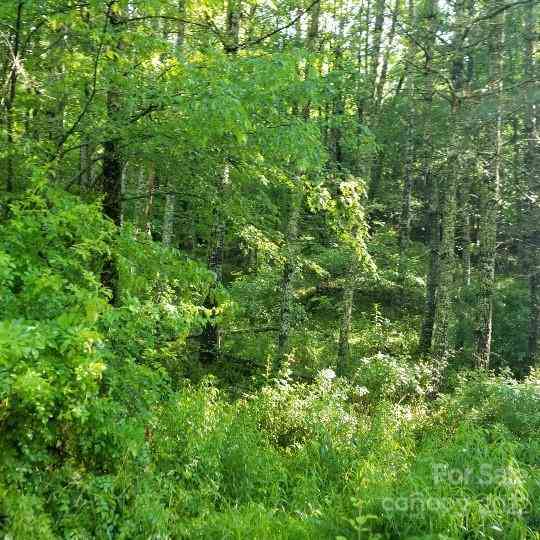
<point>396,379</point>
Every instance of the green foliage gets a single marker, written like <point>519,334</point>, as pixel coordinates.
<point>110,425</point>
<point>397,378</point>
<point>510,320</point>
<point>304,461</point>
<point>78,378</point>
<point>104,436</point>
<point>293,413</point>
<point>52,355</point>
<point>484,400</point>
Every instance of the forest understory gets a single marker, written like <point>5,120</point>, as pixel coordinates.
<point>269,269</point>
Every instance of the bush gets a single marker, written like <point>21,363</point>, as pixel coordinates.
<point>52,354</point>
<point>397,379</point>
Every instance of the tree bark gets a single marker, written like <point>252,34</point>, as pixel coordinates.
<point>532,172</point>
<point>443,308</point>
<point>9,102</point>
<point>432,191</point>
<point>406,198</point>
<point>291,235</point>
<point>376,46</point>
<point>489,196</point>
<point>347,304</point>
<point>211,336</point>
<point>112,171</point>
<point>466,234</point>
<point>148,187</point>
<point>169,212</point>
<point>289,272</point>
<point>384,67</point>
<point>210,348</point>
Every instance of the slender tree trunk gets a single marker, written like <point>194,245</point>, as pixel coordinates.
<point>148,187</point>
<point>169,217</point>
<point>170,197</point>
<point>433,226</point>
<point>347,304</point>
<point>532,172</point>
<point>289,272</point>
<point>405,218</point>
<point>376,175</point>
<point>336,145</point>
<point>215,260</point>
<point>85,164</point>
<point>466,205</point>
<point>86,154</point>
<point>406,199</point>
<point>211,336</point>
<point>361,63</point>
<point>112,187</point>
<point>291,236</point>
<point>55,111</point>
<point>466,234</point>
<point>379,92</point>
<point>210,349</point>
<point>9,103</point>
<point>112,171</point>
<point>312,34</point>
<point>347,301</point>
<point>443,308</point>
<point>376,46</point>
<point>112,174</point>
<point>465,222</point>
<point>489,197</point>
<point>433,219</point>
<point>370,108</point>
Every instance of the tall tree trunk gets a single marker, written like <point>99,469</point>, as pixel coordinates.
<point>170,198</point>
<point>406,214</point>
<point>361,63</point>
<point>211,336</point>
<point>408,185</point>
<point>489,196</point>
<point>312,34</point>
<point>169,216</point>
<point>370,109</point>
<point>232,32</point>
<point>55,110</point>
<point>85,164</point>
<point>532,172</point>
<point>443,308</point>
<point>432,191</point>
<point>210,348</point>
<point>469,127</point>
<point>112,171</point>
<point>295,206</point>
<point>336,135</point>
<point>9,102</point>
<point>347,300</point>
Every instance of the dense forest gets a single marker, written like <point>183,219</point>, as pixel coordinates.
<point>269,269</point>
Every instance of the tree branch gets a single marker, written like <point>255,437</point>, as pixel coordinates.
<point>292,22</point>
